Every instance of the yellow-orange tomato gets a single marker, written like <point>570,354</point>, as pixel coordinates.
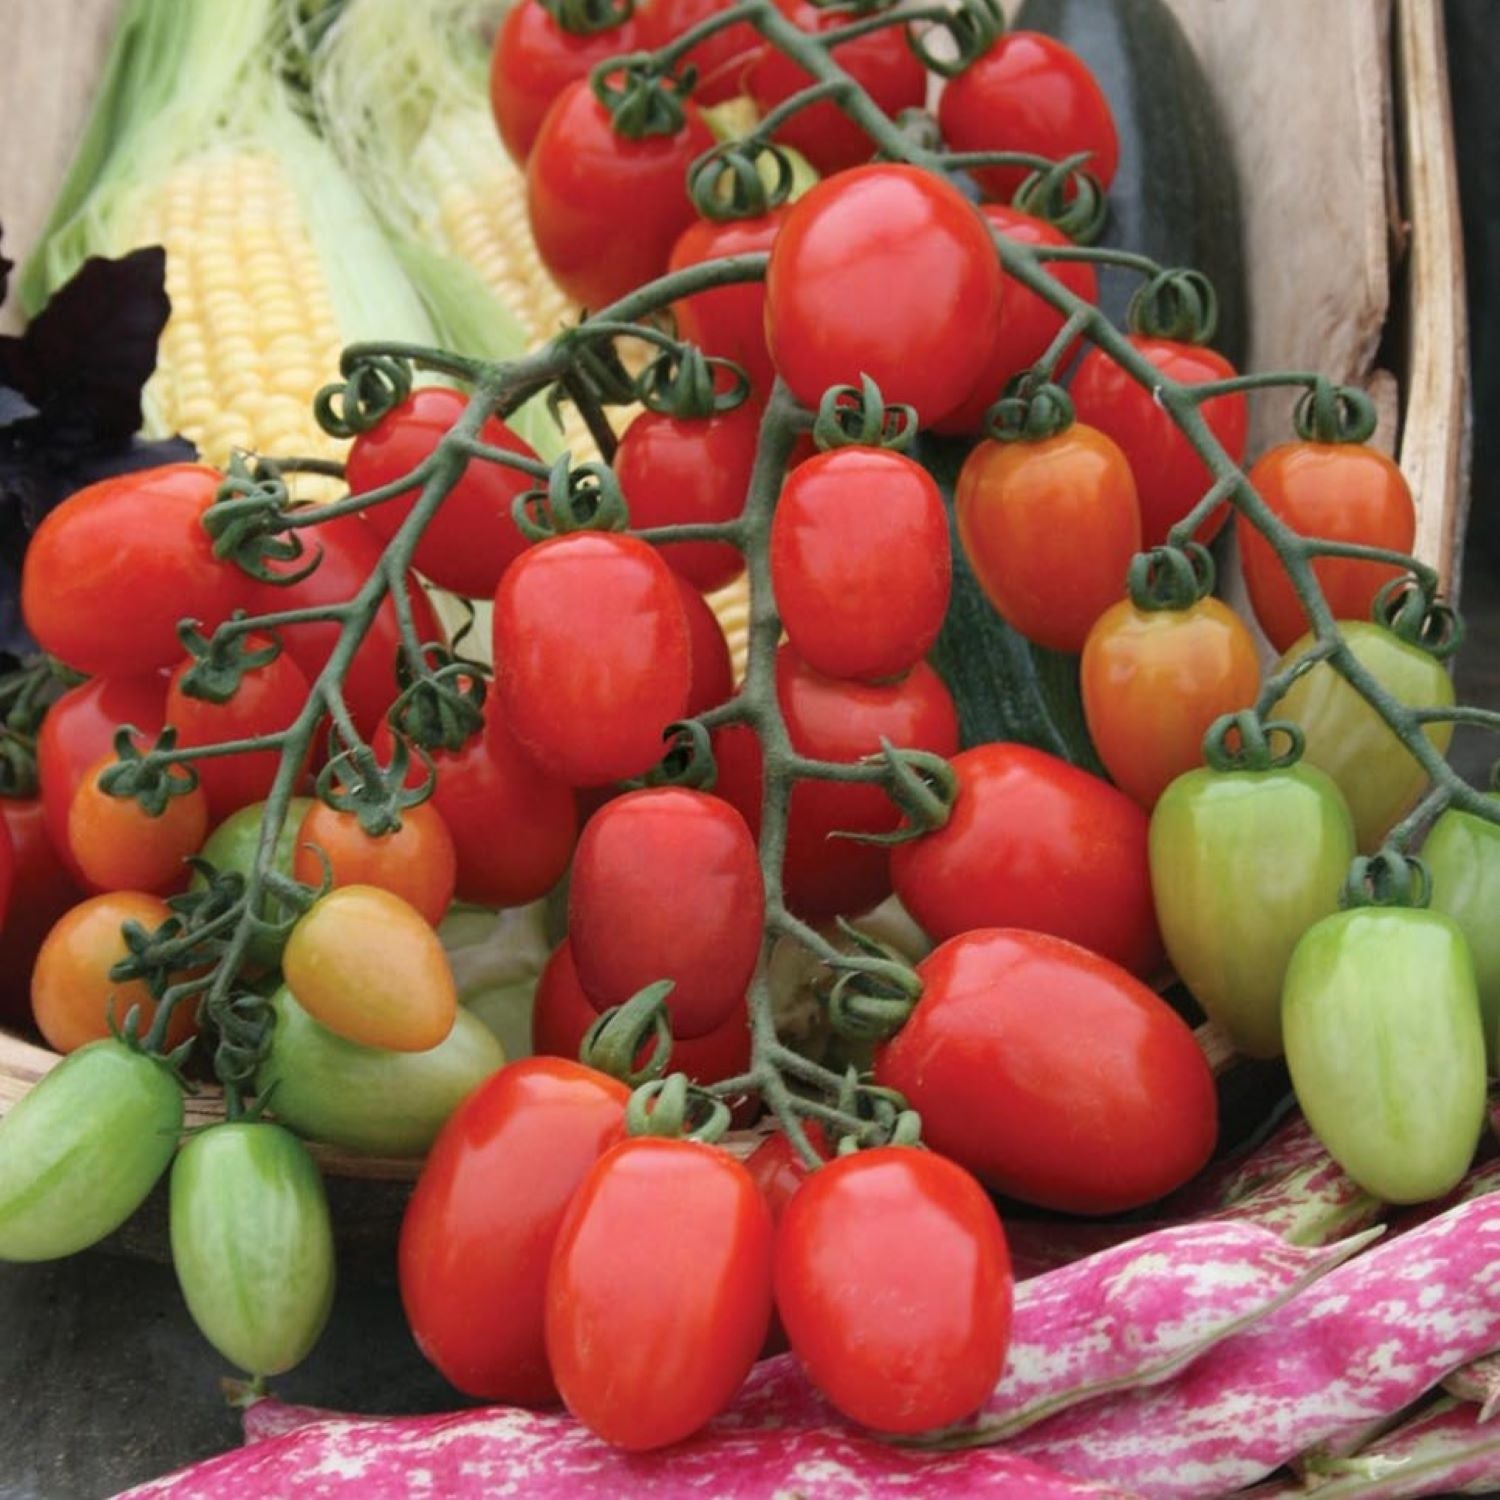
<point>1049,528</point>
<point>417,862</point>
<point>1340,492</point>
<point>363,963</point>
<point>1154,680</point>
<point>72,994</point>
<point>119,846</point>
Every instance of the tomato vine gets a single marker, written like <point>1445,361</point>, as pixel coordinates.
<point>255,521</point>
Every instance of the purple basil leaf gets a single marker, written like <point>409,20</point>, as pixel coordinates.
<point>14,407</point>
<point>6,267</point>
<point>84,358</point>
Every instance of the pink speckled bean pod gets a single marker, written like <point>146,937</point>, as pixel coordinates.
<point>316,1455</point>
<point>1362,1343</point>
<point>1478,1382</point>
<point>1447,1449</point>
<point>1315,1203</point>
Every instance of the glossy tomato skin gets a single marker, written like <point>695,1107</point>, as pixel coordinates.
<point>1153,682</point>
<point>675,471</point>
<point>901,240</point>
<point>860,562</point>
<point>350,549</point>
<point>880,62</point>
<point>1034,842</point>
<point>606,210</point>
<point>706,940</point>
<point>562,1014</point>
<point>1342,492</point>
<point>535,59</point>
<point>479,1229</point>
<point>72,996</point>
<point>252,1244</point>
<point>1049,528</point>
<point>895,1227</point>
<point>592,656</point>
<point>417,862</point>
<point>119,846</point>
<point>713,667</point>
<point>363,963</point>
<point>730,320</point>
<point>367,1099</point>
<point>1170,478</point>
<point>513,827</point>
<point>650,1368</point>
<point>81,1151</point>
<point>42,891</point>
<point>80,729</point>
<point>1378,775</point>
<point>111,571</point>
<point>472,538</point>
<point>1242,864</point>
<point>267,700</point>
<point>715,58</point>
<point>1028,323</point>
<point>840,721</point>
<point>1052,1074</point>
<point>1386,1048</point>
<point>1029,93</point>
<point>1462,855</point>
<point>231,848</point>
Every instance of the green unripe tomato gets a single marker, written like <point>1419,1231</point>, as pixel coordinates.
<point>252,1244</point>
<point>1383,1039</point>
<point>1242,864</point>
<point>365,1098</point>
<point>1462,855</point>
<point>1378,775</point>
<point>231,847</point>
<point>81,1151</point>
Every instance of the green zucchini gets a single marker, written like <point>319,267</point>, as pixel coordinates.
<point>1004,687</point>
<point>1175,197</point>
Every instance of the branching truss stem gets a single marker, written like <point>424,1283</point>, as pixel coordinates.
<point>794,1087</point>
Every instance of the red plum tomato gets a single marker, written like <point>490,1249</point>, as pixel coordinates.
<point>593,655</point>
<point>478,1233</point>
<point>683,1227</point>
<point>860,562</point>
<point>886,271</point>
<point>1052,1074</point>
<point>1037,843</point>
<point>895,1228</point>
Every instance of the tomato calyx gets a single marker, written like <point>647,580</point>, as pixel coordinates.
<point>643,99</point>
<point>614,1042</point>
<point>442,708</point>
<point>972,28</point>
<point>678,1110</point>
<point>1032,410</point>
<point>25,696</point>
<point>148,778</point>
<point>858,417</point>
<point>876,989</point>
<point>373,386</point>
<point>247,523</point>
<point>1387,878</point>
<point>588,17</point>
<point>727,182</point>
<point>1244,742</point>
<point>1329,413</point>
<point>576,497</point>
<point>1177,304</point>
<point>1170,578</point>
<point>1405,606</point>
<point>221,661</point>
<point>683,382</point>
<point>1067,196</point>
<point>355,782</point>
<point>922,785</point>
<point>687,762</point>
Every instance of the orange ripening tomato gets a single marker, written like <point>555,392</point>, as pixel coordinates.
<point>1153,682</point>
<point>363,963</point>
<point>72,996</point>
<point>1170,477</point>
<point>1049,527</point>
<point>268,699</point>
<point>1339,492</point>
<point>416,862</point>
<point>119,846</point>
